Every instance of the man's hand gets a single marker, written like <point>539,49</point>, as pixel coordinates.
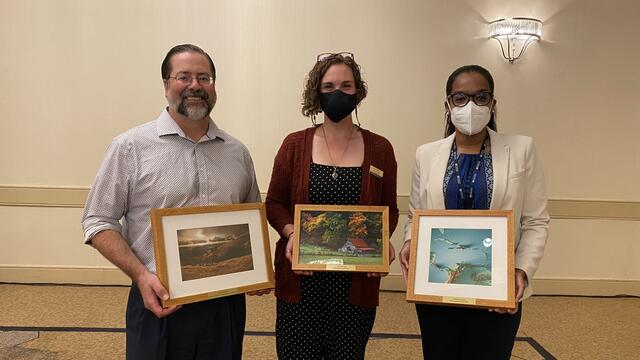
<point>115,248</point>
<point>152,291</point>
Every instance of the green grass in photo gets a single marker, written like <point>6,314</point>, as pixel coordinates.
<point>310,253</point>
<point>346,260</point>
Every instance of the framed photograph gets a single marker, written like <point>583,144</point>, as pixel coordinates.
<point>462,258</point>
<point>211,251</point>
<point>341,238</point>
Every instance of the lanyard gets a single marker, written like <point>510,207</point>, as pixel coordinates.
<point>456,158</point>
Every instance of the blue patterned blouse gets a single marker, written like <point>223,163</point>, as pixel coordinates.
<point>482,188</point>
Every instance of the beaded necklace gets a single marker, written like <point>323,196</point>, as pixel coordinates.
<point>456,158</point>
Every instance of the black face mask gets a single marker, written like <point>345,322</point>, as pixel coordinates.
<point>337,105</point>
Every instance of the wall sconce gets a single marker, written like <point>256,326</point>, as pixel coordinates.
<point>515,34</point>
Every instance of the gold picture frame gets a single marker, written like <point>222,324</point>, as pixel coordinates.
<point>207,252</point>
<point>462,258</point>
<point>349,238</point>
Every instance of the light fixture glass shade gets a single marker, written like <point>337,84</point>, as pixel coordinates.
<point>515,35</point>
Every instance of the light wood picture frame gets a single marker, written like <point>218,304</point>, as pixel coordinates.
<point>462,258</point>
<point>207,252</point>
<point>349,238</point>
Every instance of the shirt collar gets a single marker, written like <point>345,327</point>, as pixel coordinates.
<point>167,126</point>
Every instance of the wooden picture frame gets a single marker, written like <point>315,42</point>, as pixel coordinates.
<point>341,238</point>
<point>208,252</point>
<point>462,258</point>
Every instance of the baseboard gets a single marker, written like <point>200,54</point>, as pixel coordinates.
<point>586,287</point>
<point>552,286</point>
<point>393,282</point>
<point>85,275</point>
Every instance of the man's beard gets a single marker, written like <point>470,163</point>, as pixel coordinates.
<point>195,111</point>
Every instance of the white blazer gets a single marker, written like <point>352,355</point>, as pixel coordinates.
<point>518,185</point>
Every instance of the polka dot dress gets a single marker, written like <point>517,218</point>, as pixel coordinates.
<point>324,325</point>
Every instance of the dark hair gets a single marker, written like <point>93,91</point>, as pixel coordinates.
<point>165,68</point>
<point>449,128</point>
<point>311,93</point>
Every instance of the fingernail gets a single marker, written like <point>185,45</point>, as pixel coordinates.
<point>165,297</point>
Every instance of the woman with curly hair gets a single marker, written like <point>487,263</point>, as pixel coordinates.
<point>328,314</point>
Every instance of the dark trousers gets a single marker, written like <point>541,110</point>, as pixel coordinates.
<point>466,333</point>
<point>211,329</point>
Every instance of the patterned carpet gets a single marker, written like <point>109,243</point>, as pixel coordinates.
<point>86,322</point>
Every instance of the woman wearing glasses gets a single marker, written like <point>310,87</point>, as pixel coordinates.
<point>328,314</point>
<point>474,167</point>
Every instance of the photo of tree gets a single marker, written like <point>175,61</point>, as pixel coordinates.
<point>340,238</point>
<point>213,251</point>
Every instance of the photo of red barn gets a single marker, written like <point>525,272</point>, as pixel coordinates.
<point>356,246</point>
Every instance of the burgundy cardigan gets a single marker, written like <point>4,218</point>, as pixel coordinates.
<point>290,186</point>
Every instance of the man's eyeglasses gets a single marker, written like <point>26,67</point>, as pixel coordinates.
<point>325,56</point>
<point>460,99</point>
<point>187,79</point>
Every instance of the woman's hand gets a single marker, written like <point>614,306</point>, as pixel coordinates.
<point>392,253</point>
<point>288,252</point>
<point>405,255</point>
<point>521,283</point>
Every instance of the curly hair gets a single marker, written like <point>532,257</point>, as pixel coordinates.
<point>311,93</point>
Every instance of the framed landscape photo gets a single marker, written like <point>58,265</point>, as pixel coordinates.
<point>211,251</point>
<point>462,258</point>
<point>341,238</point>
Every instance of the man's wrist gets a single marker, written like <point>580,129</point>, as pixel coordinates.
<point>139,273</point>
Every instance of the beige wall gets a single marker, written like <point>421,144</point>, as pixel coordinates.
<point>77,73</point>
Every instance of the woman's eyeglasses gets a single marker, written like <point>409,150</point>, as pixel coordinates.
<point>325,56</point>
<point>460,99</point>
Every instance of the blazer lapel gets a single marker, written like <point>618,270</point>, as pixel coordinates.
<point>436,173</point>
<point>500,158</point>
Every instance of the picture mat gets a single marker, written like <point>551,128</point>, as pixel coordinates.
<point>498,226</point>
<point>170,227</point>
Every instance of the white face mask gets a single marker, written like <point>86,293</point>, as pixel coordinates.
<point>471,118</point>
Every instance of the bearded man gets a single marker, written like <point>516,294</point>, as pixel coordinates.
<point>180,159</point>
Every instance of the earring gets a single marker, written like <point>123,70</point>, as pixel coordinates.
<point>358,120</point>
<point>313,120</point>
